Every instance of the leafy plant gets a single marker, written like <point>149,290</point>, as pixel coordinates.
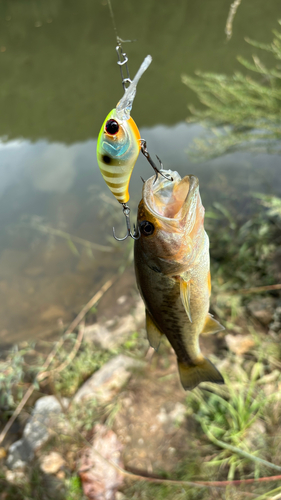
<point>88,360</point>
<point>234,425</point>
<point>245,110</point>
<point>245,244</point>
<point>12,374</point>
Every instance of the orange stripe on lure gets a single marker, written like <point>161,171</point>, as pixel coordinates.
<point>119,142</point>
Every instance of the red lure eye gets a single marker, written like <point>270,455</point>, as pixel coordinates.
<point>111,127</point>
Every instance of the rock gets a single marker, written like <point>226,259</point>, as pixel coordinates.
<point>262,309</point>
<point>174,417</point>
<point>14,476</point>
<point>52,463</point>
<point>162,416</point>
<point>61,475</point>
<point>177,415</point>
<point>120,496</point>
<point>36,432</point>
<point>239,344</point>
<point>105,382</point>
<point>113,333</point>
<point>121,300</point>
<point>19,454</point>
<point>100,481</point>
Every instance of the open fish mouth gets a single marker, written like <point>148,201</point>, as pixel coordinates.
<point>171,201</point>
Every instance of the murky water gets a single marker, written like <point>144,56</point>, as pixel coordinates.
<point>58,80</point>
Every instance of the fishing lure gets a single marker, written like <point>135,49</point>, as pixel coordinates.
<point>119,140</point>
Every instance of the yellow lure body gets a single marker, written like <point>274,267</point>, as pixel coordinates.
<point>119,142</point>
<point>117,153</point>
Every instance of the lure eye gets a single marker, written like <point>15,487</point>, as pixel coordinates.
<point>146,228</point>
<point>111,127</point>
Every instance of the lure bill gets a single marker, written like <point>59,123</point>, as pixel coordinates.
<point>119,142</point>
<point>173,273</point>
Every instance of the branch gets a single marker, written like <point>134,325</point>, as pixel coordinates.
<point>232,11</point>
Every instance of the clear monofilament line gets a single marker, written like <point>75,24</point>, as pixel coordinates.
<point>124,106</point>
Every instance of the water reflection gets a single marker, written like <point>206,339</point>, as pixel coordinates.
<point>46,278</point>
<point>58,71</point>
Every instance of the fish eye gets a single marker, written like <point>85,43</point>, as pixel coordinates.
<point>111,127</point>
<point>146,228</point>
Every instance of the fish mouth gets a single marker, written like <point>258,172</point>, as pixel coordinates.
<point>172,202</point>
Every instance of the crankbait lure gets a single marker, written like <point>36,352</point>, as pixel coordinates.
<point>119,141</point>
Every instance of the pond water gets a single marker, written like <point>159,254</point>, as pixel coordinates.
<point>58,80</point>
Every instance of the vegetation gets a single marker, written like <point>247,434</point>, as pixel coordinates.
<point>244,110</point>
<point>236,426</point>
<point>230,432</point>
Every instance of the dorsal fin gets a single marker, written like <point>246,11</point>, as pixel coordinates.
<point>211,325</point>
<point>185,296</point>
<point>153,333</point>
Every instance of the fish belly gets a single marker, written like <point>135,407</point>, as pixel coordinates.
<point>161,295</point>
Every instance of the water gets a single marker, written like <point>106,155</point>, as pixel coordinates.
<point>58,80</point>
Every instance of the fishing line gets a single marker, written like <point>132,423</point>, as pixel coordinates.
<point>113,20</point>
<point>122,56</point>
<point>119,141</point>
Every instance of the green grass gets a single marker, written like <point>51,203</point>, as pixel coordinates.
<point>227,441</point>
<point>88,360</point>
<point>231,423</point>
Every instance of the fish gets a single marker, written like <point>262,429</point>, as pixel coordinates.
<point>172,267</point>
<point>119,142</point>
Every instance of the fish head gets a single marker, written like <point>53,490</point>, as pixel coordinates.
<point>118,148</point>
<point>170,218</point>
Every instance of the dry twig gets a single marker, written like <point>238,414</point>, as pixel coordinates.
<point>232,11</point>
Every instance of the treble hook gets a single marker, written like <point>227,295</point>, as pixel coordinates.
<point>136,235</point>
<point>149,159</point>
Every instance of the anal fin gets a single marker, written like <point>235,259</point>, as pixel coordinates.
<point>211,326</point>
<point>153,333</point>
<point>185,296</point>
<point>201,371</point>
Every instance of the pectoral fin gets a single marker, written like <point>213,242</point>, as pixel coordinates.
<point>201,371</point>
<point>211,325</point>
<point>185,296</point>
<point>153,333</point>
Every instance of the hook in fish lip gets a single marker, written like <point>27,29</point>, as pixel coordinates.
<point>149,159</point>
<point>161,164</point>
<point>166,176</point>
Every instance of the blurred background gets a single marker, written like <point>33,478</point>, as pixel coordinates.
<point>58,80</point>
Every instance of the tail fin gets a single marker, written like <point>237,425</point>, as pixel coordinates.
<point>202,371</point>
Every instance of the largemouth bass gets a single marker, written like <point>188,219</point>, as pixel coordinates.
<point>172,268</point>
